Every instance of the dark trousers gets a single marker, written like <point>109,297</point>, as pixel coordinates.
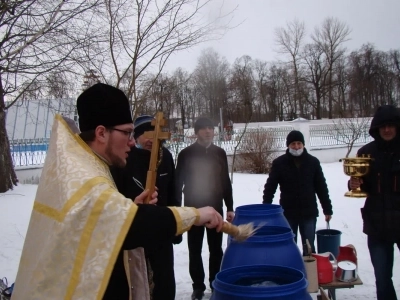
<point>382,253</point>
<point>307,231</point>
<point>161,261</point>
<point>195,244</point>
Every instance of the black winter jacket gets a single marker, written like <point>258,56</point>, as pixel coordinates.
<point>137,166</point>
<point>131,180</point>
<point>204,174</point>
<point>381,211</point>
<point>298,185</point>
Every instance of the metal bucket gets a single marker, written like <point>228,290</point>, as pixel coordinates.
<point>346,271</point>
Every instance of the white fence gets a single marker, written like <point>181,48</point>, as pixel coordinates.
<point>323,139</point>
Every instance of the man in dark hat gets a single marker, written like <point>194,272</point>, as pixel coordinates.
<point>84,238</point>
<point>381,211</point>
<point>131,181</point>
<point>300,177</point>
<point>202,170</point>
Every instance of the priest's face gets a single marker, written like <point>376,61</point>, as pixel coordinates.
<point>119,144</point>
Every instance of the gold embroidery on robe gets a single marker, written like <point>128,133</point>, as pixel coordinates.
<point>78,225</point>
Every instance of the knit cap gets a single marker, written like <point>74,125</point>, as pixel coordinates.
<point>294,136</point>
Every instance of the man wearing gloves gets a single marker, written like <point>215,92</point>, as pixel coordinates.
<point>300,177</point>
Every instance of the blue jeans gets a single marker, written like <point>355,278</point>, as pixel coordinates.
<point>382,254</point>
<point>307,231</point>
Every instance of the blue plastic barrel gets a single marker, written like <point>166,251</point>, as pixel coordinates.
<point>265,214</point>
<point>328,240</point>
<point>249,282</point>
<point>270,245</point>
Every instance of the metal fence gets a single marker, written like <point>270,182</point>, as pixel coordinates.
<point>29,152</point>
<point>235,138</point>
<point>326,135</point>
<point>33,151</point>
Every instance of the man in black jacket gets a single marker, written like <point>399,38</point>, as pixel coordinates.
<point>131,181</point>
<point>381,211</point>
<point>300,177</point>
<point>202,169</point>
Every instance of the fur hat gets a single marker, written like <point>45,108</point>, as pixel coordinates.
<point>102,104</point>
<point>202,123</point>
<point>294,136</point>
<point>142,124</point>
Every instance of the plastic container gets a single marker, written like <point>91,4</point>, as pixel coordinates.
<point>246,283</point>
<point>270,245</point>
<point>259,214</point>
<point>328,240</point>
<point>265,214</point>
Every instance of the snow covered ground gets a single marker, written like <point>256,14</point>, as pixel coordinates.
<point>16,206</point>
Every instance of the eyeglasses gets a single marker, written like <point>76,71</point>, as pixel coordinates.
<point>130,134</point>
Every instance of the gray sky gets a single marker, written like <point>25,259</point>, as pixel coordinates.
<point>374,21</point>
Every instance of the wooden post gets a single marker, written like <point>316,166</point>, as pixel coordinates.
<point>157,135</point>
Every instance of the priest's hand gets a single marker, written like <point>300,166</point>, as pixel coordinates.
<point>142,197</point>
<point>210,218</point>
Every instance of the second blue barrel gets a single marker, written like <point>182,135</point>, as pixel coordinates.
<point>265,214</point>
<point>270,245</point>
<point>260,282</point>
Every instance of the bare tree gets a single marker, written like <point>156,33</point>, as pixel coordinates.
<point>237,146</point>
<point>350,130</point>
<point>242,88</point>
<point>342,79</point>
<point>257,151</point>
<point>261,83</point>
<point>210,78</point>
<point>373,80</point>
<point>38,37</point>
<point>182,93</point>
<point>274,98</point>
<point>289,41</point>
<point>140,36</point>
<point>330,38</point>
<point>315,75</point>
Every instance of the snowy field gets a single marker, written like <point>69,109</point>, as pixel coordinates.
<point>16,206</point>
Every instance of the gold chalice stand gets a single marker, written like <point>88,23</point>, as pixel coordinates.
<point>356,167</point>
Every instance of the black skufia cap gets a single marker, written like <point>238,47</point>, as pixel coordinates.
<point>102,104</point>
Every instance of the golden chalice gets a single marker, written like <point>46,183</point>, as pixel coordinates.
<point>356,167</point>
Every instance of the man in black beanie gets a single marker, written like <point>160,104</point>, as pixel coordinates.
<point>131,181</point>
<point>202,170</point>
<point>300,177</point>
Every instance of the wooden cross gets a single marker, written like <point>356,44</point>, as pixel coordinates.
<point>157,135</point>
